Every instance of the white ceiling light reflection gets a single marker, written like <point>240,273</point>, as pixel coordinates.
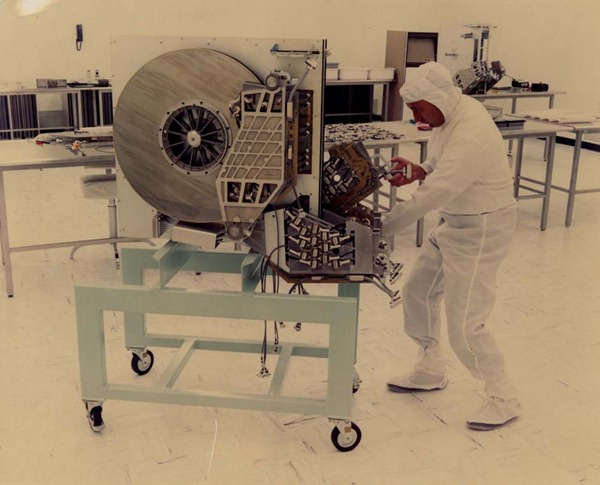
<point>30,7</point>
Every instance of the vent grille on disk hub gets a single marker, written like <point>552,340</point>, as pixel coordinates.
<point>194,136</point>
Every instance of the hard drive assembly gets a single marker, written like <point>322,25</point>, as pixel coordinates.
<point>222,140</point>
<point>218,149</point>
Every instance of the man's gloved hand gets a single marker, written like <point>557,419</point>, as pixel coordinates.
<point>405,172</point>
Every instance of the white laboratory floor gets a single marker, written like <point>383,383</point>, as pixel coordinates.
<point>547,319</point>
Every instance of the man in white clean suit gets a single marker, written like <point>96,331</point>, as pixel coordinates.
<point>466,176</point>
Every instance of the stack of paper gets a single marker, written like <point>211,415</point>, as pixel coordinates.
<point>562,115</point>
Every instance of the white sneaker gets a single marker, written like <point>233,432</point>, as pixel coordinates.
<point>494,414</point>
<point>417,380</point>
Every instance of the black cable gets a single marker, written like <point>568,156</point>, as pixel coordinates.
<point>264,265</point>
<point>263,288</point>
<point>276,282</point>
<point>299,286</point>
<point>276,335</point>
<point>291,182</point>
<point>263,356</point>
<point>277,228</point>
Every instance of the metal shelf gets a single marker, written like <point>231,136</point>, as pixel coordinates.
<point>22,118</point>
<point>349,102</point>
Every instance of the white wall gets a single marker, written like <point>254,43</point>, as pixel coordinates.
<point>554,41</point>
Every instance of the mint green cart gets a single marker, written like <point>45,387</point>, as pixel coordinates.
<point>136,299</point>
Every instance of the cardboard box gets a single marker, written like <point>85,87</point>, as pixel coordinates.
<point>354,73</point>
<point>382,74</point>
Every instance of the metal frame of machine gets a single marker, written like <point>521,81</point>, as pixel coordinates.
<point>136,299</point>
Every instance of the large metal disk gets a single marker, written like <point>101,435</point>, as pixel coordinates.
<point>203,79</point>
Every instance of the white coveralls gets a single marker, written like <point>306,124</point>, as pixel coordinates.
<point>470,182</point>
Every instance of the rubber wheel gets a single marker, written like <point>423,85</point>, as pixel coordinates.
<point>95,419</point>
<point>142,367</point>
<point>343,446</point>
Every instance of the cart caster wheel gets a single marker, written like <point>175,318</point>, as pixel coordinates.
<point>347,441</point>
<point>142,365</point>
<point>95,419</point>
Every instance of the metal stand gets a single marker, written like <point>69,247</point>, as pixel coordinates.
<point>136,299</point>
<point>572,190</point>
<point>105,187</point>
<point>546,183</point>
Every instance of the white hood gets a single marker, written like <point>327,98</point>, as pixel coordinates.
<point>433,83</point>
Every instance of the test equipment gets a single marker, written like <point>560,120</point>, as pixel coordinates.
<point>222,140</point>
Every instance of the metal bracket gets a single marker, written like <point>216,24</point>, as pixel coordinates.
<point>171,258</point>
<point>141,353</point>
<point>250,271</point>
<point>345,427</point>
<point>276,51</point>
<point>89,405</point>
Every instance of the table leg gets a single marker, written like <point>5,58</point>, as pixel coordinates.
<point>4,237</point>
<point>550,106</point>
<point>79,111</point>
<point>573,181</point>
<point>351,290</point>
<point>375,194</point>
<point>518,164</point>
<point>513,110</point>
<point>421,221</point>
<point>393,190</point>
<point>548,182</point>
<point>384,108</point>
